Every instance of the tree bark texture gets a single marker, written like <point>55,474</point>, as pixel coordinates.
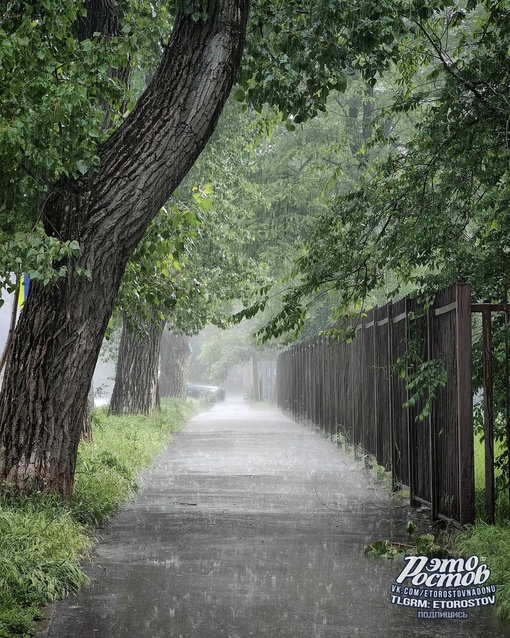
<point>61,327</point>
<point>86,430</point>
<point>136,377</point>
<point>175,364</point>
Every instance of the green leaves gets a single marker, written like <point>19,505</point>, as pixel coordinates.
<point>423,385</point>
<point>297,54</point>
<point>54,91</point>
<point>197,259</point>
<point>62,93</point>
<point>384,548</point>
<point>196,9</point>
<point>36,254</point>
<point>424,202</point>
<point>423,545</point>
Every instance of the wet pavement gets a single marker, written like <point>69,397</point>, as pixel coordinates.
<point>251,525</point>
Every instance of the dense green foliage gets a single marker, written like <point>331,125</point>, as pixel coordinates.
<point>64,91</point>
<point>196,256</point>
<point>42,540</point>
<point>61,93</point>
<point>429,204</point>
<point>298,52</point>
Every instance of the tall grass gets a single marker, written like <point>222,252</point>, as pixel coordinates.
<point>106,469</point>
<point>42,540</point>
<point>489,542</point>
<point>502,504</point>
<point>40,543</point>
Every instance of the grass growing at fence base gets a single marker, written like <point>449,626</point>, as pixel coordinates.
<point>42,540</point>
<point>492,544</point>
<point>489,542</point>
<point>502,504</point>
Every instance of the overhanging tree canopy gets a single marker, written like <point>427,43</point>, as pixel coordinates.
<point>104,196</point>
<point>433,207</point>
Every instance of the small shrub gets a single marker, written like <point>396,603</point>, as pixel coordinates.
<point>16,622</point>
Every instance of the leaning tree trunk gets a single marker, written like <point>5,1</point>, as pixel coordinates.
<point>61,327</point>
<point>175,364</point>
<point>136,377</point>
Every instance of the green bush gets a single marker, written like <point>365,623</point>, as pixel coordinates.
<point>15,621</point>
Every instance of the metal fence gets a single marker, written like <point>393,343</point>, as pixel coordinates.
<point>352,389</point>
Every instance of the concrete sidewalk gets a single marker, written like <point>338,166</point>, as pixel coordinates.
<point>250,525</point>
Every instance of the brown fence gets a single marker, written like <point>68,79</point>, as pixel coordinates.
<point>352,389</point>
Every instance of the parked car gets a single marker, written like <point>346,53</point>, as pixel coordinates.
<point>210,393</point>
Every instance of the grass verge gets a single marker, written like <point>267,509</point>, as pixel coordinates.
<point>42,540</point>
<point>489,542</point>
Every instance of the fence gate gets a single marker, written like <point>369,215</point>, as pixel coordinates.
<point>352,389</point>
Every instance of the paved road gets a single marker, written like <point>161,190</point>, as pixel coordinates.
<point>250,525</point>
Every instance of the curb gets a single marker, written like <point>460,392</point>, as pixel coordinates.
<point>42,626</point>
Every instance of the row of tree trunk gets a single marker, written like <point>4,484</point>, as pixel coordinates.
<point>153,361</point>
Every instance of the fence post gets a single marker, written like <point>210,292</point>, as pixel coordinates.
<point>389,352</point>
<point>411,434</point>
<point>465,406</point>
<point>433,429</point>
<point>488,417</point>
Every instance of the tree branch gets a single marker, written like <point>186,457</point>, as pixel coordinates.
<point>448,66</point>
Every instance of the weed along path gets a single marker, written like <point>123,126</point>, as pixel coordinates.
<point>251,525</point>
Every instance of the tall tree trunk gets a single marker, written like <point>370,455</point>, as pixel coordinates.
<point>136,377</point>
<point>61,327</point>
<point>175,364</point>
